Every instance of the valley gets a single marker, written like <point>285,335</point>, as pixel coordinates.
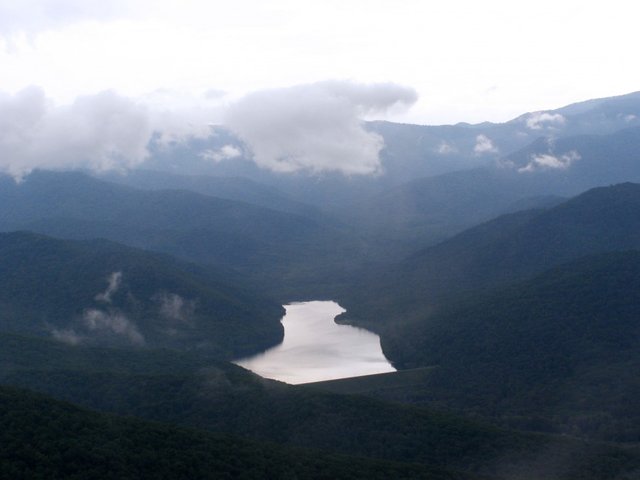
<point>474,317</point>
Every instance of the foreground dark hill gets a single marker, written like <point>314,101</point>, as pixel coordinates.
<point>265,243</point>
<point>509,248</point>
<point>102,293</point>
<point>557,353</point>
<point>42,438</point>
<point>224,398</point>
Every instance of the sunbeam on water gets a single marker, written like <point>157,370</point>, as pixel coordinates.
<point>315,348</point>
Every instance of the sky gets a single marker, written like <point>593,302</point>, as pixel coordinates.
<point>469,61</point>
<point>192,63</point>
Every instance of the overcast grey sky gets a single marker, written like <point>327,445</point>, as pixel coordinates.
<point>85,84</point>
<point>467,60</point>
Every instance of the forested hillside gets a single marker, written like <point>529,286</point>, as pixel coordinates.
<point>101,293</point>
<point>41,438</point>
<point>554,353</point>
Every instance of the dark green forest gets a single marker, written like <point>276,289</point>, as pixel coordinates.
<point>42,439</point>
<point>537,355</point>
<point>51,288</point>
<point>507,298</point>
<point>223,398</point>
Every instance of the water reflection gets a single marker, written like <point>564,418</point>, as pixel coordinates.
<point>316,348</point>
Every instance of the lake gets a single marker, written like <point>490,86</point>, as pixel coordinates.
<point>316,348</point>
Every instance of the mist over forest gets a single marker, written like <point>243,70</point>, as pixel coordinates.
<point>355,240</point>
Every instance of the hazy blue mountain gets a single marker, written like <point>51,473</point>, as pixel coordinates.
<point>411,151</point>
<point>572,164</point>
<point>230,188</point>
<point>430,209</point>
<point>72,195</point>
<point>612,111</point>
<point>414,151</point>
<point>535,202</point>
<point>101,293</point>
<point>425,211</point>
<point>267,244</point>
<point>436,180</point>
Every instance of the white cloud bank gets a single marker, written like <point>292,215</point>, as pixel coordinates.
<point>316,127</point>
<point>101,132</point>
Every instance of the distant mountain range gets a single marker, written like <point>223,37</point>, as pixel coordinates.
<point>436,180</point>
<point>231,188</point>
<point>411,151</point>
<point>430,209</point>
<point>282,235</point>
<point>264,243</point>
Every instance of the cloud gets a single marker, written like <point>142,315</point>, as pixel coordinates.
<point>112,322</point>
<point>226,152</point>
<point>446,148</point>
<point>548,161</point>
<point>539,120</point>
<point>176,115</point>
<point>316,127</point>
<point>114,283</point>
<point>101,132</point>
<point>175,308</point>
<point>484,145</point>
<point>100,323</point>
<point>68,336</point>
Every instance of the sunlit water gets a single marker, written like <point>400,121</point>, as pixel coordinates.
<point>316,348</point>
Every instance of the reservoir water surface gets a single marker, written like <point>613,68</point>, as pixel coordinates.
<point>316,348</point>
